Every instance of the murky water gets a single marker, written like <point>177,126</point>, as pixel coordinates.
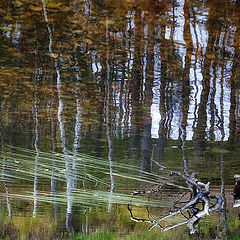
<point>111,106</point>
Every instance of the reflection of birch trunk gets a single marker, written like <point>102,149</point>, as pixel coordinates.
<point>68,173</point>
<point>110,145</point>
<point>121,97</point>
<point>78,124</point>
<point>110,158</point>
<point>184,104</point>
<point>224,220</point>
<point>53,178</point>
<point>199,136</point>
<point>6,190</point>
<point>213,108</point>
<point>108,120</point>
<point>53,127</point>
<point>195,69</point>
<point>85,225</point>
<point>50,47</point>
<point>128,47</point>
<point>212,104</point>
<point>64,147</point>
<point>99,108</point>
<point>8,200</point>
<point>78,129</point>
<point>61,124</point>
<point>36,107</point>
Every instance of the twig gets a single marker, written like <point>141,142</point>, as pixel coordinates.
<point>201,195</point>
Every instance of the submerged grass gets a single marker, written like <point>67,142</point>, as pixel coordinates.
<point>25,161</point>
<point>85,179</point>
<point>89,198</point>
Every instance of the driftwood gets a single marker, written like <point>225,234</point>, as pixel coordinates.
<point>199,195</point>
<point>236,191</point>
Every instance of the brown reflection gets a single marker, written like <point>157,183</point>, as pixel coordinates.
<point>135,87</point>
<point>235,84</point>
<point>148,96</point>
<point>98,142</point>
<point>163,106</point>
<point>127,28</point>
<point>126,54</point>
<point>184,102</point>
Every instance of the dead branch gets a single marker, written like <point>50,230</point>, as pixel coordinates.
<point>200,194</point>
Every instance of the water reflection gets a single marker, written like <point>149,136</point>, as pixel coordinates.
<point>36,135</point>
<point>6,190</point>
<point>147,83</point>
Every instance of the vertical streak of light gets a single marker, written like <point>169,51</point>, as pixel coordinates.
<point>78,124</point>
<point>195,68</point>
<point>78,128</point>
<point>68,173</point>
<point>50,48</point>
<point>53,177</point>
<point>108,119</point>
<point>36,109</point>
<point>222,158</point>
<point>184,100</point>
<point>6,190</point>
<point>222,130</point>
<point>61,124</point>
<point>126,89</point>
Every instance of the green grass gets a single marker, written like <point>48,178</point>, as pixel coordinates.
<point>96,236</point>
<point>143,235</point>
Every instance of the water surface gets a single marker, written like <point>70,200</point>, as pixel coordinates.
<point>103,98</point>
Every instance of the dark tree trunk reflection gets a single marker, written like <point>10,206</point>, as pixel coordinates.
<point>162,132</point>
<point>235,84</point>
<point>148,96</point>
<point>136,91</point>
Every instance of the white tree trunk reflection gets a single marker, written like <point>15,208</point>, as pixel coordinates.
<point>36,109</point>
<point>9,207</point>
<point>68,171</point>
<point>109,118</point>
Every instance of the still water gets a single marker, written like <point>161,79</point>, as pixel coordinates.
<point>119,119</point>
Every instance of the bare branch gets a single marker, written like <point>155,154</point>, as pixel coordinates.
<point>195,214</point>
